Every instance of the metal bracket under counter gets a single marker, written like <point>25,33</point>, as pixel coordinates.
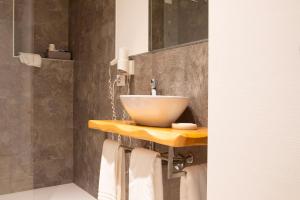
<point>164,136</point>
<point>175,164</point>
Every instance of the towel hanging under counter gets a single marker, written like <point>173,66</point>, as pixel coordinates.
<point>173,162</point>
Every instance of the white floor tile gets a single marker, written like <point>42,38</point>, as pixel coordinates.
<point>60,192</point>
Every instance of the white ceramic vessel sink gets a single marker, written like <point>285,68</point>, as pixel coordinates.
<point>159,111</point>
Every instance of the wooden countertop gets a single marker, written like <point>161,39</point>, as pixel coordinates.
<point>165,136</point>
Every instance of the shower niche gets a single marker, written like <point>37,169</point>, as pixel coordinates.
<point>36,24</point>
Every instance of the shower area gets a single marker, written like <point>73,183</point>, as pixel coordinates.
<point>36,104</point>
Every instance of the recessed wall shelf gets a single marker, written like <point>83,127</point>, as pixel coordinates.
<point>165,136</point>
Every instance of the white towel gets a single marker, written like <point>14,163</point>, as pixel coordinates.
<point>112,172</point>
<point>194,184</point>
<point>145,175</point>
<point>30,59</point>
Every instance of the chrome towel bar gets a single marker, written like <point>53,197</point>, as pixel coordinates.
<point>175,164</point>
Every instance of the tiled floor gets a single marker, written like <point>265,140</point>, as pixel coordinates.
<point>60,192</point>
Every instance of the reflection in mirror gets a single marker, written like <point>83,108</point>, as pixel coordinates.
<point>174,22</point>
<point>40,23</point>
<point>132,26</point>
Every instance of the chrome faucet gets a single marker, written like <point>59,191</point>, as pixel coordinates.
<point>153,87</point>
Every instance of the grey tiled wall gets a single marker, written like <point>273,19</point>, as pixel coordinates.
<point>36,118</point>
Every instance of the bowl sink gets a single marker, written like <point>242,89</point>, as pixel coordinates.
<point>158,111</point>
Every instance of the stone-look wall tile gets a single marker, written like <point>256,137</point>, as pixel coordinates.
<point>15,127</point>
<point>21,177</point>
<point>32,100</point>
<point>52,123</point>
<point>144,81</point>
<point>36,112</point>
<point>5,186</point>
<point>5,167</point>
<point>92,42</point>
<point>50,172</point>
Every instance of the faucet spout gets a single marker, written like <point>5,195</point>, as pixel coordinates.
<point>153,85</point>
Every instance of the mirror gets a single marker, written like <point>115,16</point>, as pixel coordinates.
<point>174,22</point>
<point>148,25</point>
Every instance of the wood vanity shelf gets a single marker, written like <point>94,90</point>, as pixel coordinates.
<point>165,136</point>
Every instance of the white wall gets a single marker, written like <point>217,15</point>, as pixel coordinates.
<point>132,25</point>
<point>254,100</point>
